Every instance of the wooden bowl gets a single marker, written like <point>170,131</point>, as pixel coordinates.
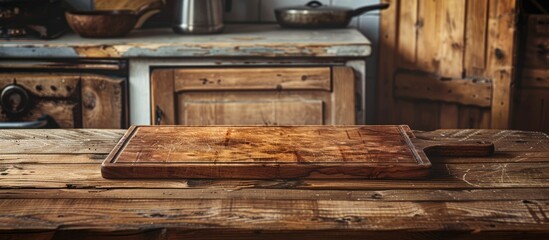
<point>102,24</point>
<point>111,23</point>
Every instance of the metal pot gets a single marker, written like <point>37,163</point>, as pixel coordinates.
<point>316,15</point>
<point>198,16</point>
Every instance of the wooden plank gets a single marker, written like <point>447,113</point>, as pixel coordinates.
<point>103,102</point>
<point>461,175</point>
<point>502,156</point>
<point>58,141</point>
<point>83,214</point>
<point>449,115</point>
<point>407,112</point>
<point>390,195</point>
<point>288,113</point>
<point>428,41</point>
<point>473,117</point>
<point>429,87</point>
<point>52,158</point>
<point>408,26</point>
<point>536,52</point>
<point>316,103</point>
<point>267,113</point>
<point>534,78</point>
<point>387,65</point>
<point>451,20</point>
<point>163,97</point>
<point>271,152</point>
<point>53,135</point>
<point>475,37</point>
<point>502,46</point>
<point>217,79</point>
<point>343,97</point>
<point>427,115</point>
<point>532,110</point>
<point>221,233</point>
<point>66,141</point>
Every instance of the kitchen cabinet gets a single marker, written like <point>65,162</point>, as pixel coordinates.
<point>252,99</point>
<point>253,96</point>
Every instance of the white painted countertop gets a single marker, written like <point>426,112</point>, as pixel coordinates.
<point>239,40</point>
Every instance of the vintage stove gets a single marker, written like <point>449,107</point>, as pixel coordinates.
<point>32,19</point>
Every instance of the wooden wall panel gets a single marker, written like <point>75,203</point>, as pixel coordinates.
<point>386,113</point>
<point>455,40</point>
<point>501,53</point>
<point>451,20</point>
<point>408,49</point>
<point>428,38</point>
<point>475,37</point>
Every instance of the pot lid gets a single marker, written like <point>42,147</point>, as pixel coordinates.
<point>315,6</point>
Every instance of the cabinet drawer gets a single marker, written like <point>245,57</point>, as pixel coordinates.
<point>213,79</point>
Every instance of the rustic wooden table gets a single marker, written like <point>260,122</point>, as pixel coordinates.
<point>51,188</point>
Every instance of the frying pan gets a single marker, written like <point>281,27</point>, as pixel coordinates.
<point>316,15</point>
<point>110,23</point>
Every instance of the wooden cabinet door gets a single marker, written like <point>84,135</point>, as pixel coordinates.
<point>447,63</point>
<point>253,96</point>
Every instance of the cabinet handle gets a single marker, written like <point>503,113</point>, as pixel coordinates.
<point>159,113</point>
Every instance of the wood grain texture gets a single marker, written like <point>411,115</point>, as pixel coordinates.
<point>252,112</point>
<point>278,152</point>
<point>163,97</point>
<point>103,102</point>
<point>461,41</point>
<point>266,152</point>
<point>343,97</point>
<point>476,37</point>
<point>218,79</point>
<point>532,110</point>
<point>501,49</point>
<point>534,78</point>
<point>254,96</point>
<point>425,86</point>
<point>499,197</point>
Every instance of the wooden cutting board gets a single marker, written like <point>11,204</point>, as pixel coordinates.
<point>278,152</point>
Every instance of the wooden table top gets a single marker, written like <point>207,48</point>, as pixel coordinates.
<point>51,188</point>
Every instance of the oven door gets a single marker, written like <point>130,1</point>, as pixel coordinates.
<point>87,98</point>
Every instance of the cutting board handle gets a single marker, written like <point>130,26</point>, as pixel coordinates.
<point>456,149</point>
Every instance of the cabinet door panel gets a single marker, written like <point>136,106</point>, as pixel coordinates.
<point>253,96</point>
<point>252,113</point>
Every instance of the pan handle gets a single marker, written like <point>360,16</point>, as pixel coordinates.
<point>362,10</point>
<point>314,4</point>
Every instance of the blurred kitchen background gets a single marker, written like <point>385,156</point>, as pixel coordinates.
<point>262,11</point>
